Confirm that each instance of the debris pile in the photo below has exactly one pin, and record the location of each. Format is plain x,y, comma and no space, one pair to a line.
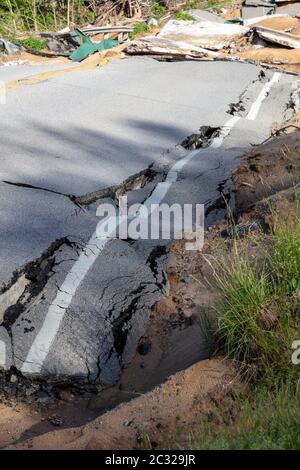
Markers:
268,32
76,45
192,38
263,31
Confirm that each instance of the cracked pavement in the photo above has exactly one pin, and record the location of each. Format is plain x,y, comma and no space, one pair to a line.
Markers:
70,140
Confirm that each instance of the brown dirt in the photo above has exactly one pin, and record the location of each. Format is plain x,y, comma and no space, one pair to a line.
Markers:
152,420
233,11
21,420
272,167
31,58
282,58
98,58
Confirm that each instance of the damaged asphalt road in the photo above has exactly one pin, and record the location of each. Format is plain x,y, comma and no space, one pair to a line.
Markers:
73,308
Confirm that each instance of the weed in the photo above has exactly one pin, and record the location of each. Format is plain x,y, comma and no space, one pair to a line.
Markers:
157,9
32,43
258,319
138,29
259,313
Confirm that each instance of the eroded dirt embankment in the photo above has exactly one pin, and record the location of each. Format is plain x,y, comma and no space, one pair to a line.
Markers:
150,419
266,180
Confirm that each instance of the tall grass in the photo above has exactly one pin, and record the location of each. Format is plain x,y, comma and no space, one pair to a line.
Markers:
270,421
258,320
259,315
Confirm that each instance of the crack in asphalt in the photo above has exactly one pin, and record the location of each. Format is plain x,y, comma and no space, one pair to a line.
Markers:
38,273
135,181
240,107
39,188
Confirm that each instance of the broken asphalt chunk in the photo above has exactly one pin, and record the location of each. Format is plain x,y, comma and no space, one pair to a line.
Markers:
8,47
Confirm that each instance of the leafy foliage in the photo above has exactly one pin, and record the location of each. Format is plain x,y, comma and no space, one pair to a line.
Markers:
19,16
139,28
157,9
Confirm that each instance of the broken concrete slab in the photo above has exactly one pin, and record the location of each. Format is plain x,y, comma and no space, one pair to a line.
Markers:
24,237
257,19
8,47
168,47
92,343
205,34
278,37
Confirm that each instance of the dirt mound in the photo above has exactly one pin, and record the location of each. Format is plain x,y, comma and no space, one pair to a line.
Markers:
272,167
282,58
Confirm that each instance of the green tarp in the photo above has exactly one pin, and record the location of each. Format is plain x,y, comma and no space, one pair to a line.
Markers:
86,47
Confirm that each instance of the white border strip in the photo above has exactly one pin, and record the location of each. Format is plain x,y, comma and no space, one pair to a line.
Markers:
254,110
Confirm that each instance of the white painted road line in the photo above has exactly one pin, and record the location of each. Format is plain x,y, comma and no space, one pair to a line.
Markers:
217,142
44,339
2,354
262,96
42,342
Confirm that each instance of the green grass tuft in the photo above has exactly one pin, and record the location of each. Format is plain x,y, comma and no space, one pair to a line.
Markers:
258,320
138,29
259,313
32,43
157,9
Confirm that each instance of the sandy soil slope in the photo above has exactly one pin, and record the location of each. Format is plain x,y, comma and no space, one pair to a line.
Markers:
151,419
